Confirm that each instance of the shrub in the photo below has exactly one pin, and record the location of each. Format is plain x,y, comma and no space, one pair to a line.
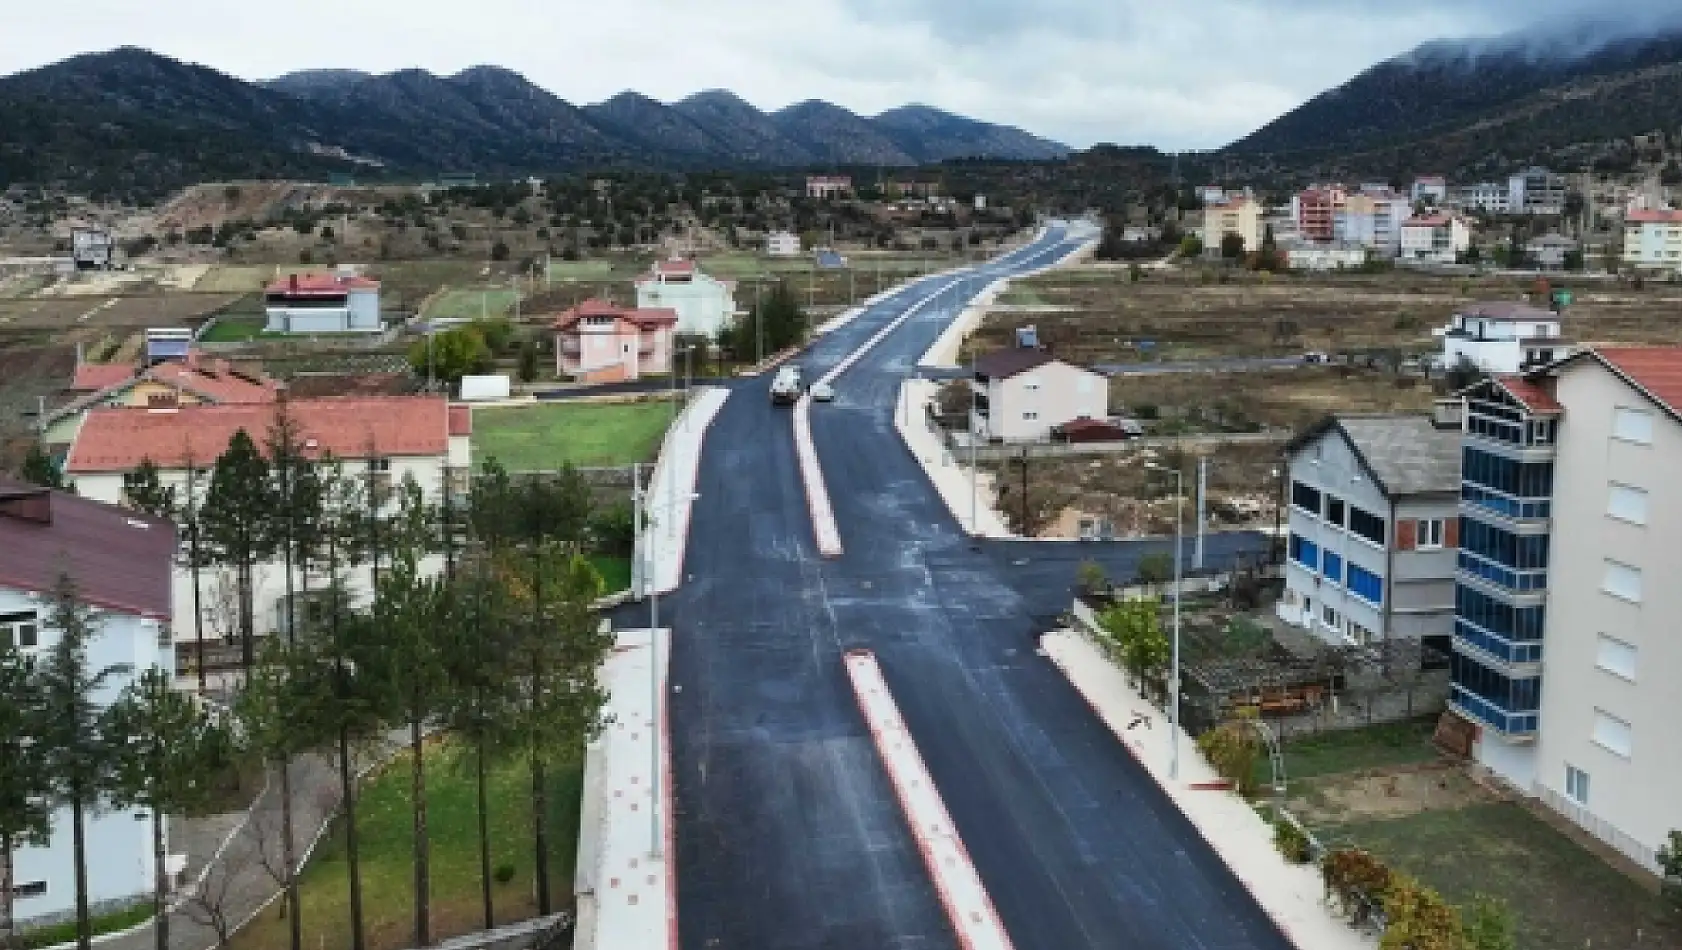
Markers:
1356,880
1290,841
1233,748
1488,924
1417,918
1091,577
503,873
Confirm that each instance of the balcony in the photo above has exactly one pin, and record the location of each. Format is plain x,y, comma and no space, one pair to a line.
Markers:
1513,659
1507,579
1521,515
1511,726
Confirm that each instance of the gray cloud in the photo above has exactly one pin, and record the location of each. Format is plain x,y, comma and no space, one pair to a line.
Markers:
1175,73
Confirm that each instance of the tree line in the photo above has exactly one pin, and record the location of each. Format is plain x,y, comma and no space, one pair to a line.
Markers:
498,645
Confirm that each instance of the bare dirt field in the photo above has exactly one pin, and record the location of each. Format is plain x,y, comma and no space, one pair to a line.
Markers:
1287,398
65,314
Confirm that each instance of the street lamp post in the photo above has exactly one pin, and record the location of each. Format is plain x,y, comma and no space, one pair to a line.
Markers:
1174,662
651,587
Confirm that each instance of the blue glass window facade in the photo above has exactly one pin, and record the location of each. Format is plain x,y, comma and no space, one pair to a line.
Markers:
1367,525
1366,585
1505,487
1305,552
1331,565
1509,704
1517,562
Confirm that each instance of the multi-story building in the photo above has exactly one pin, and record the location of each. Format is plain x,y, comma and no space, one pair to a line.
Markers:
1564,654
1315,211
828,186
1502,337
1430,189
705,305
1536,191
1488,197
782,244
1437,238
92,248
598,342
1653,240
1550,251
1370,551
120,561
1372,219
322,303
1240,216
386,439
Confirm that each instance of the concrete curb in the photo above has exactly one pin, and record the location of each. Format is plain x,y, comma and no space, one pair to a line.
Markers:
691,425
975,921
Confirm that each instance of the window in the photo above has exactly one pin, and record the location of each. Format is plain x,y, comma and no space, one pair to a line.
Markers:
30,889
1366,525
1612,734
1335,510
1329,615
1622,581
1429,532
1331,565
20,629
1627,503
1030,415
1632,425
1031,383
1366,585
1616,657
1304,552
1305,498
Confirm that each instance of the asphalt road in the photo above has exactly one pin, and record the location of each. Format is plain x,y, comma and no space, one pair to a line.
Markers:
788,833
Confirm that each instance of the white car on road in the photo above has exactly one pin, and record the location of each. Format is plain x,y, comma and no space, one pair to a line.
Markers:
822,392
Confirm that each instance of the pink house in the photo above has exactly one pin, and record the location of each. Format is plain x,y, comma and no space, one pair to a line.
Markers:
598,342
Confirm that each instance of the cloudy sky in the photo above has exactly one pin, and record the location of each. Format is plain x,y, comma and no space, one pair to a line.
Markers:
1174,73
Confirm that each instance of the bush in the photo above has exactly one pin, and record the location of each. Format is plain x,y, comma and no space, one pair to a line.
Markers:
504,873
1233,748
1357,880
1091,577
1417,918
1290,841
1488,924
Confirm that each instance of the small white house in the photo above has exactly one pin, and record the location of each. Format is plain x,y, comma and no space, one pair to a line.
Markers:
92,248
121,563
782,244
1436,239
323,303
704,304
1502,337
1021,394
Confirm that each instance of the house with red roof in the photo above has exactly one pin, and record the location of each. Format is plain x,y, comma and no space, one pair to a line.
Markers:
198,379
1565,643
705,305
600,342
121,563
322,303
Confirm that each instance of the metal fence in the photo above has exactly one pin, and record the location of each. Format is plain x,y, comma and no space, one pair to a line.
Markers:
1600,828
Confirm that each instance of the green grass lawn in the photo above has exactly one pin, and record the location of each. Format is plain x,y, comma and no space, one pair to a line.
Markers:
545,436
1351,750
235,330
234,279
65,931
615,572
384,825
471,303
593,269
1562,897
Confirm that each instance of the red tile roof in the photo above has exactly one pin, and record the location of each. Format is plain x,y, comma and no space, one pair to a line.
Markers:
318,285
675,265
643,317
461,420
92,377
1653,217
1430,221
117,439
216,380
1529,394
1656,369
121,560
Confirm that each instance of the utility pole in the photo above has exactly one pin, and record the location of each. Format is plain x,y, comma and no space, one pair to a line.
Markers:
1174,659
974,470
759,320
1202,507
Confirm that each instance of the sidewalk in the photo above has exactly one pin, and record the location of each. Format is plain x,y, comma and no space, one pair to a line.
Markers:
1293,895
669,500
950,478
627,898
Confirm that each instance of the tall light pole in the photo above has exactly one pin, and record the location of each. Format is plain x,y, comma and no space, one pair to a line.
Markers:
651,587
1174,661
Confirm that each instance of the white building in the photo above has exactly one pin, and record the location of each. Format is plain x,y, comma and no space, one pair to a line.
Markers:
323,303
828,186
704,305
1431,189
1488,197
1370,553
1021,394
1549,251
1372,218
422,437
1565,654
1502,337
121,564
1437,238
1653,240
92,248
1325,257
782,244
1536,191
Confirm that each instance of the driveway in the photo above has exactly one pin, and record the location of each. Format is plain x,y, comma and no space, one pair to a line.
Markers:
788,834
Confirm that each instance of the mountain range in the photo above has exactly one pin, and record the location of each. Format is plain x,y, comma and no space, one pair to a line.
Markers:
130,119
1556,92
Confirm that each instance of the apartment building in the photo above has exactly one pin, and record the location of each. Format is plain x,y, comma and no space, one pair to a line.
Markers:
598,342
1564,654
1653,240
1372,219
1489,197
1370,549
322,303
1536,190
1240,216
1315,210
1437,238
1431,189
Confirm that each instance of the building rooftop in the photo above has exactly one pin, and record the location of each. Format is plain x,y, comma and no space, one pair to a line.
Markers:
1529,394
461,420
1428,221
92,377
1505,310
117,439
1657,370
1653,217
318,285
644,317
1003,364
121,560
1404,454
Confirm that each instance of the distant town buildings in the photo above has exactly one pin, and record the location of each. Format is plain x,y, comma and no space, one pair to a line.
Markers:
1325,257
828,186
1549,252
1502,337
1315,210
1240,216
1653,240
782,244
597,342
92,249
323,303
1429,189
1536,191
1488,197
704,304
1437,238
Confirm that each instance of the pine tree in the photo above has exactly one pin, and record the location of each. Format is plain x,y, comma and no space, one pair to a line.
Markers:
165,752
25,817
234,525
145,492
73,744
38,468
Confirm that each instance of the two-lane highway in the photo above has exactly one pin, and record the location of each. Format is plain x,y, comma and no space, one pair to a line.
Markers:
788,833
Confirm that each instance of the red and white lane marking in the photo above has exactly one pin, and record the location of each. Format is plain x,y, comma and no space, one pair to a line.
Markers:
961,892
